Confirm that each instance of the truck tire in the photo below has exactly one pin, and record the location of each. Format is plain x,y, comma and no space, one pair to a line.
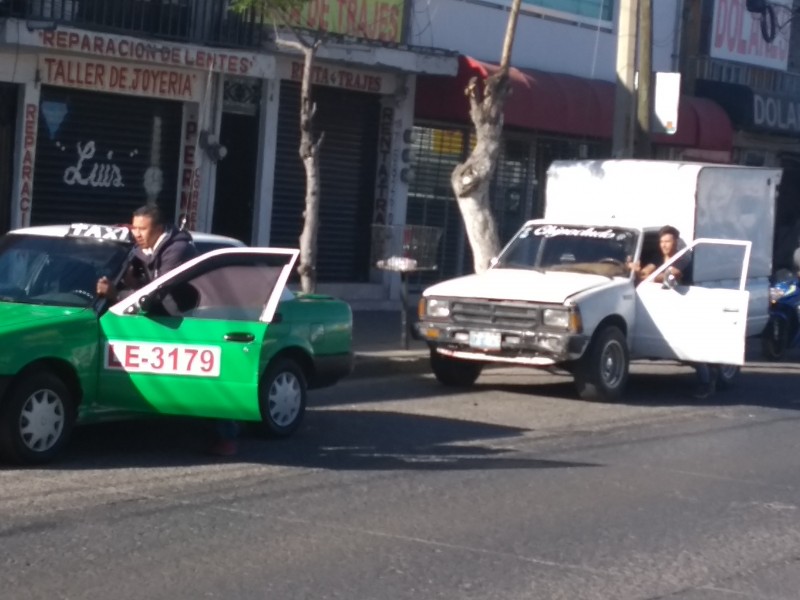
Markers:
36,419
602,372
453,372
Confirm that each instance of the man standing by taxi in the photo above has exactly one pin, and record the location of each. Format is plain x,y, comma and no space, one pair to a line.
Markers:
159,249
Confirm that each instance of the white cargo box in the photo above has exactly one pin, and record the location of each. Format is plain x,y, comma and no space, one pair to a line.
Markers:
700,199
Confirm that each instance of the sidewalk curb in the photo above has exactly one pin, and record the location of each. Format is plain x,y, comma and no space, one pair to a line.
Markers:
388,363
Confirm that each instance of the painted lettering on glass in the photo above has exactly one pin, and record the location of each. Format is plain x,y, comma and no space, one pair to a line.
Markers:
87,172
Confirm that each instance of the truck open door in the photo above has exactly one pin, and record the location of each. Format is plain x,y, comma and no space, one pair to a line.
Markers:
703,319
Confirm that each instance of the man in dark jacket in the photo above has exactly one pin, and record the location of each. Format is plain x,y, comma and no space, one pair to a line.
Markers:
159,249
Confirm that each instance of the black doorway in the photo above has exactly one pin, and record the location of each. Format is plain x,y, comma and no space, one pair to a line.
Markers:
236,177
8,120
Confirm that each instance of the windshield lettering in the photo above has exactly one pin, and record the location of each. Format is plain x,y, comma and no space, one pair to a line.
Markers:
558,230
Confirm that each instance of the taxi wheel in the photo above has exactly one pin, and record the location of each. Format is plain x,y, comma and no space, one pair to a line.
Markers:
36,419
283,392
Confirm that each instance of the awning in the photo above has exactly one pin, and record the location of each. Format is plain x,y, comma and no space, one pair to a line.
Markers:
566,104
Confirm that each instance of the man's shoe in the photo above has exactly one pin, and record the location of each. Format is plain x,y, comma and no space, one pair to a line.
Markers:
704,390
224,448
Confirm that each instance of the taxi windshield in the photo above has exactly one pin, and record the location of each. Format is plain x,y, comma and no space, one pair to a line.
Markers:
60,271
579,249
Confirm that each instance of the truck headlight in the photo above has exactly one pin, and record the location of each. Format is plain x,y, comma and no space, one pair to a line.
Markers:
556,317
436,308
568,319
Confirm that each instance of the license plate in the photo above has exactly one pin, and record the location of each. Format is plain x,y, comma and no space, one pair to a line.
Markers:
171,359
485,340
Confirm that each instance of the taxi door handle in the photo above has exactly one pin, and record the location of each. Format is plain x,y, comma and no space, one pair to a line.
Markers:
239,337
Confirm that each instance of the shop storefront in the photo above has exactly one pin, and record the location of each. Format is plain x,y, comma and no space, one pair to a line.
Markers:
348,115
548,116
93,165
112,122
767,128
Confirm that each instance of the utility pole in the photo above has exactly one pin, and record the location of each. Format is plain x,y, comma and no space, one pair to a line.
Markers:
644,95
622,141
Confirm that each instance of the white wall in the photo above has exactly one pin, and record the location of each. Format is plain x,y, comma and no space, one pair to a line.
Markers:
477,30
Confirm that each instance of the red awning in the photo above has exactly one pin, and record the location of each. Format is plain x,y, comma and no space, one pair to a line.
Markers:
566,104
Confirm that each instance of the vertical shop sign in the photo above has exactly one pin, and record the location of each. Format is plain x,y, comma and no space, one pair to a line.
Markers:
384,213
189,168
28,156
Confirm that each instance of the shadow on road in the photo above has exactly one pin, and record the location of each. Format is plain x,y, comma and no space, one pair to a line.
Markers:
336,439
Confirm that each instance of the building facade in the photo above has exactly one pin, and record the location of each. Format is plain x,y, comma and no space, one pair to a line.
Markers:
105,106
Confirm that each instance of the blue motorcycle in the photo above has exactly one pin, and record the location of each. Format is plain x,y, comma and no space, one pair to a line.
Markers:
783,328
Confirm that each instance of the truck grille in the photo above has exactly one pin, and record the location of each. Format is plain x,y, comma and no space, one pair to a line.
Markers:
484,313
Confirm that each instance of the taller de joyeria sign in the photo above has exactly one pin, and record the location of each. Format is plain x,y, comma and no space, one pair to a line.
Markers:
736,35
121,78
103,46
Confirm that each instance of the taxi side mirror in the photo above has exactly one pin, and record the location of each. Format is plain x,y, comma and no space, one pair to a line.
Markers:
147,301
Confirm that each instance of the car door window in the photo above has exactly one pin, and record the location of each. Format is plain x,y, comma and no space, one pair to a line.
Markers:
233,292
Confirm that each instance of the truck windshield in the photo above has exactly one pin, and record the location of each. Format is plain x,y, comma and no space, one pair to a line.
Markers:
59,271
579,249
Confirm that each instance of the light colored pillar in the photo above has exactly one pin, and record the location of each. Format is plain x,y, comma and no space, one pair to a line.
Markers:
399,174
25,155
267,152
623,133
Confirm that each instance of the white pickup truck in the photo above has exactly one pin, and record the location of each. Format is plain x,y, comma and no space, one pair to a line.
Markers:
560,294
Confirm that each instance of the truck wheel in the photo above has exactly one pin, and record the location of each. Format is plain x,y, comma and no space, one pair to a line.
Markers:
36,419
602,372
282,398
454,372
775,339
726,376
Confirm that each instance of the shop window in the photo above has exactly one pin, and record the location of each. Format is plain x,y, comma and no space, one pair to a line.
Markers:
431,201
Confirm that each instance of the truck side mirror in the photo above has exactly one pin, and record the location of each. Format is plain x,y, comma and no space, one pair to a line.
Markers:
670,281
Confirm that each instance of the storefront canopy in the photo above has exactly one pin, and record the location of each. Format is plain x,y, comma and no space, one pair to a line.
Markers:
566,104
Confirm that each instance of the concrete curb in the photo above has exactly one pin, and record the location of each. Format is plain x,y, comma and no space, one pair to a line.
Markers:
389,363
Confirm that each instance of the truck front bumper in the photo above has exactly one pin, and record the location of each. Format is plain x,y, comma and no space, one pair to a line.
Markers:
539,348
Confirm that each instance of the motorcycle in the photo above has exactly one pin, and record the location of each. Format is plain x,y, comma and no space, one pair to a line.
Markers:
783,327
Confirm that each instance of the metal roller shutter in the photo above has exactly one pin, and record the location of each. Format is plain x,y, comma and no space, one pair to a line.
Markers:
130,147
349,121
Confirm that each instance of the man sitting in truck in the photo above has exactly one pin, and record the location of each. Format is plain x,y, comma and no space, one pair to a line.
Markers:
668,237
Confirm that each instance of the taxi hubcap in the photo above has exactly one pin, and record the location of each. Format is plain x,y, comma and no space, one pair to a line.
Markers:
285,397
41,421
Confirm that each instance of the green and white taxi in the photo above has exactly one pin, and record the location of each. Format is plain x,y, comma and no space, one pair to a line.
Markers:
220,337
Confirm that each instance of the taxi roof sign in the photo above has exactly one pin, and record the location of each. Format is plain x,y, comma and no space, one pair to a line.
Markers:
115,233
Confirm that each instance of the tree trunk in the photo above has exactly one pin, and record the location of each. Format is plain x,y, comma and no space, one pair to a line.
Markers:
309,154
472,178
